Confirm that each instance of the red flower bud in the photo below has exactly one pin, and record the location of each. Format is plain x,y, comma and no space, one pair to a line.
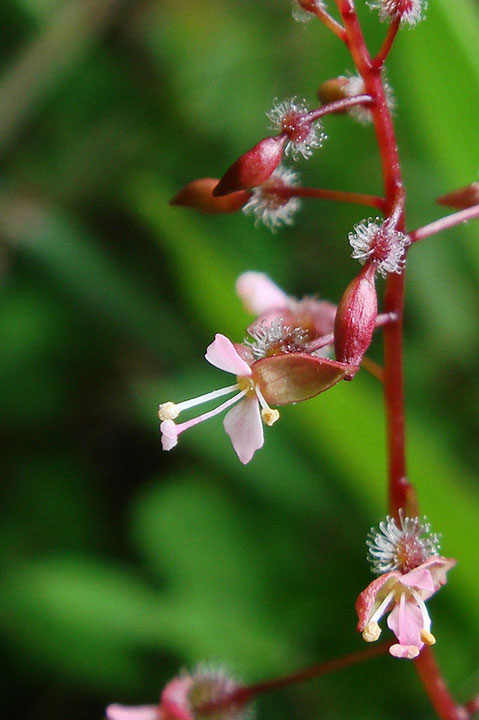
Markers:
198,195
462,198
293,377
253,167
356,318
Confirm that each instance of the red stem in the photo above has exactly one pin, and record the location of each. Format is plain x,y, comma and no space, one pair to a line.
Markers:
339,106
380,58
246,694
401,493
331,23
337,195
445,223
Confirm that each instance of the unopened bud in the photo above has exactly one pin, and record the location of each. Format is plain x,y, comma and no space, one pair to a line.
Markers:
253,167
333,90
356,317
461,198
198,195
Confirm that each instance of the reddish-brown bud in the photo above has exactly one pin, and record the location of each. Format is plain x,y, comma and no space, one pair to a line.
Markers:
198,195
356,318
333,90
253,167
461,198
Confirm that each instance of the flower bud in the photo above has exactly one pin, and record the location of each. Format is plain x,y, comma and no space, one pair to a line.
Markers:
253,167
198,195
461,198
356,318
293,377
333,90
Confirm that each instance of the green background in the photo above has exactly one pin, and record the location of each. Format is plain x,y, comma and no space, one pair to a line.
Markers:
121,563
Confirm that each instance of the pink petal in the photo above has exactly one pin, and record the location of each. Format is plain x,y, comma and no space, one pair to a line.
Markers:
133,712
406,622
419,578
373,595
243,425
174,698
223,355
260,294
409,652
169,434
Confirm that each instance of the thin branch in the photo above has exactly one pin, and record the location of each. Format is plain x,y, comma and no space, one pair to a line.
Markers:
380,58
336,195
339,106
445,223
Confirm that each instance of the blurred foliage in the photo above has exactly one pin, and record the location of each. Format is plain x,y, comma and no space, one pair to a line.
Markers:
121,563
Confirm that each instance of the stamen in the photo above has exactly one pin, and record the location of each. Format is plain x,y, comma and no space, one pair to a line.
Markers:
206,416
170,410
379,612
426,620
371,632
269,415
427,638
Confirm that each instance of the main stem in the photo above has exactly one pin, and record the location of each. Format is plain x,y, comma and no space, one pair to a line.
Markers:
401,492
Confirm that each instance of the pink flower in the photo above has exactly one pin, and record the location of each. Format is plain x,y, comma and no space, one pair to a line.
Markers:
270,369
414,572
182,697
262,297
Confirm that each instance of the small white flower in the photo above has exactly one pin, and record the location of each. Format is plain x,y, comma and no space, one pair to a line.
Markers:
376,241
401,546
270,207
300,12
408,11
290,117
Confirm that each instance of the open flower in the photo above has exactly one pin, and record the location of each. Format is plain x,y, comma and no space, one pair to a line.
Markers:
280,374
417,572
183,697
313,317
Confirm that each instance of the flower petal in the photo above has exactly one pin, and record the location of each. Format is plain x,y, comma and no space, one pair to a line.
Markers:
259,293
409,652
419,578
293,377
174,699
222,354
406,622
243,425
133,712
372,596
